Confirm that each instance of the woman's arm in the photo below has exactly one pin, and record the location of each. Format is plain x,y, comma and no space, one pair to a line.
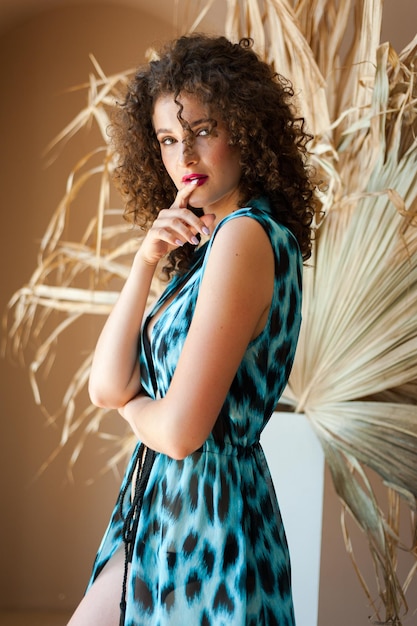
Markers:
231,310
115,376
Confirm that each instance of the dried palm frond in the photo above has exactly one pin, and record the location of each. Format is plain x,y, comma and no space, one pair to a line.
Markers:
355,372
359,336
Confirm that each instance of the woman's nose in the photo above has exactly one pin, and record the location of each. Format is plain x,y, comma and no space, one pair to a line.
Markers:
188,154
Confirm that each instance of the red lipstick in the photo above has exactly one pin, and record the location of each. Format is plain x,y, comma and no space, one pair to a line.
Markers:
195,179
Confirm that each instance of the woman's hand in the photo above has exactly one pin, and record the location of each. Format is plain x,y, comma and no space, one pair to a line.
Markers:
130,411
173,227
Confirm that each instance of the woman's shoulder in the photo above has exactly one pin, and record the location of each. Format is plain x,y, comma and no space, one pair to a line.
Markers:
261,211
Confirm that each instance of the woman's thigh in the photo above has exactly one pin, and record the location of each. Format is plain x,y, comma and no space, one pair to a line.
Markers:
101,603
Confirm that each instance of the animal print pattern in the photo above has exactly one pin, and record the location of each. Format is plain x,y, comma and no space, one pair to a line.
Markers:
210,548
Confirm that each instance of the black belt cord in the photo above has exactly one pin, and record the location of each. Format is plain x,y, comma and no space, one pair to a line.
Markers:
143,462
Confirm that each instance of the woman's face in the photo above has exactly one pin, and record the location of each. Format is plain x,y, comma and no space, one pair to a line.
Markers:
203,158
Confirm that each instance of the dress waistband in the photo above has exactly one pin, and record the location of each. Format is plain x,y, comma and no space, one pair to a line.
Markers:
231,449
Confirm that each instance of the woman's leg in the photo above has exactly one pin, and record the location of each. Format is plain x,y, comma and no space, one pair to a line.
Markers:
100,605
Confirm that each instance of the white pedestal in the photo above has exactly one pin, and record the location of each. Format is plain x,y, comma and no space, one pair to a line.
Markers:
296,462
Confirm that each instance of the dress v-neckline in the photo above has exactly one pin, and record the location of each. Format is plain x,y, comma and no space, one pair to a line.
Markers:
172,291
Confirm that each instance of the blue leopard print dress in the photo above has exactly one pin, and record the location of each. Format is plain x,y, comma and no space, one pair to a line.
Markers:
210,547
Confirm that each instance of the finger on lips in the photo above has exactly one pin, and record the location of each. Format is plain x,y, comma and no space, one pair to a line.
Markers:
184,193
193,224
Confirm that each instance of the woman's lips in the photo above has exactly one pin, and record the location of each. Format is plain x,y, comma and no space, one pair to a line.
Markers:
195,179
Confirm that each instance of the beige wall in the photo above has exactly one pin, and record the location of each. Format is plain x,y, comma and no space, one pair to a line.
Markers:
50,527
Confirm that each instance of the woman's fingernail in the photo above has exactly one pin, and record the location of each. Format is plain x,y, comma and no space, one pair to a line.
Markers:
194,240
178,242
205,230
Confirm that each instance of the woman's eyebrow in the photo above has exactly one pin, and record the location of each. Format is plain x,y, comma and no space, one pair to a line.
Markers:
163,131
202,120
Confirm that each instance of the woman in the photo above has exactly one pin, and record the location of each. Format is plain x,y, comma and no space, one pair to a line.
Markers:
212,165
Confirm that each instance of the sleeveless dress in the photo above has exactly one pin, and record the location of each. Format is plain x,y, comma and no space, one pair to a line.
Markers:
210,547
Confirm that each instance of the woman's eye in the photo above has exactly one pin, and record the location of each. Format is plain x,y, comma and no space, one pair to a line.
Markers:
167,141
203,132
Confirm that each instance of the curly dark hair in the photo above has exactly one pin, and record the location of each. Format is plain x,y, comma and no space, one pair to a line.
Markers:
255,104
